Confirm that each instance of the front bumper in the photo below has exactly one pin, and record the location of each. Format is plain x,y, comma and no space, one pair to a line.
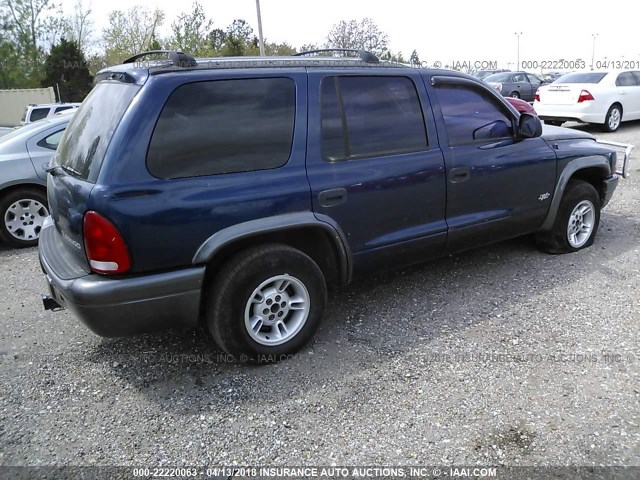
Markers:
113,307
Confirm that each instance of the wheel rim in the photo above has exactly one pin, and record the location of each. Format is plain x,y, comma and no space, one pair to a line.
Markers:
581,223
614,119
515,95
23,219
277,310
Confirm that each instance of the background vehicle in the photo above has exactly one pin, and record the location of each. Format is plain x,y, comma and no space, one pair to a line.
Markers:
605,98
37,112
482,74
515,84
232,192
551,77
15,100
521,106
24,153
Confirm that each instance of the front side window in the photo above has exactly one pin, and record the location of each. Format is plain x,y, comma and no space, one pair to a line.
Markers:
224,126
39,114
364,117
472,115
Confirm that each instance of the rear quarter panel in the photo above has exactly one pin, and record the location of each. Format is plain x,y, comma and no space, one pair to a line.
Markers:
164,222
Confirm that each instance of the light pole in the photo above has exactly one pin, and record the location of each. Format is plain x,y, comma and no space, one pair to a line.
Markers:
517,34
260,39
593,50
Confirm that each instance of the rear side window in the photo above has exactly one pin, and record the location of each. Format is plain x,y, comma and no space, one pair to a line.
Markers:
626,79
370,116
51,142
472,115
38,114
61,109
224,126
89,132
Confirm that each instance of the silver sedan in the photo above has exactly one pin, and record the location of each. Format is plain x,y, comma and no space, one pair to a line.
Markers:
24,154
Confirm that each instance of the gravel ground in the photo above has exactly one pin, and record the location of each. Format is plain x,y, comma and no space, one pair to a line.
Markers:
502,356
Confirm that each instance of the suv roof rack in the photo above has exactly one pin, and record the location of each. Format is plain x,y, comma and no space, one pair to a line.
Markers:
178,59
364,55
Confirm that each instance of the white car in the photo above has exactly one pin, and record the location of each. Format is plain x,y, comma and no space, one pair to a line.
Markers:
35,112
605,98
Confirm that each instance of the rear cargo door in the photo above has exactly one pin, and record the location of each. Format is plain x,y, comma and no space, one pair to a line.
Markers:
79,157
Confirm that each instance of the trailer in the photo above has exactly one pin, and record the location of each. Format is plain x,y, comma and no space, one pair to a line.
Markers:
14,102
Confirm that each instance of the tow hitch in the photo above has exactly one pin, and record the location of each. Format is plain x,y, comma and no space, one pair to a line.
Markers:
50,303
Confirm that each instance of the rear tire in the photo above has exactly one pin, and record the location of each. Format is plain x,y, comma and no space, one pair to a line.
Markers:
22,213
613,119
576,222
553,123
266,303
515,95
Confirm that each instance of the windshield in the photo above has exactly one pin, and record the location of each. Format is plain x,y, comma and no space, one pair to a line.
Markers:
499,77
581,77
87,137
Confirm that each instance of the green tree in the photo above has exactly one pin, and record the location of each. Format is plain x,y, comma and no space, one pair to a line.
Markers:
239,40
190,32
66,70
130,32
414,59
278,49
26,24
363,35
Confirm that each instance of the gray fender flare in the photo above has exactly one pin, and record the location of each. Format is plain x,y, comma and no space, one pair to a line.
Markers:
278,223
569,170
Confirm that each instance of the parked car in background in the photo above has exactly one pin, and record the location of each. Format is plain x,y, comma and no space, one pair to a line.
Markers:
551,77
605,98
24,153
521,106
482,74
37,112
515,84
311,177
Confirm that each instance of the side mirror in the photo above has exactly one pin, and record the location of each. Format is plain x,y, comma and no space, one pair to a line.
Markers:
529,126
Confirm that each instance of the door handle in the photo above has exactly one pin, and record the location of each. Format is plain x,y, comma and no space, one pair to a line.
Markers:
333,197
459,174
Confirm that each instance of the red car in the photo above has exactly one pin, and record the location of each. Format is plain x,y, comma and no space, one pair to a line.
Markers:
521,105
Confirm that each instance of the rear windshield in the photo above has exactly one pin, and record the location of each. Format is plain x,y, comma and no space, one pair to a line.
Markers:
87,137
581,78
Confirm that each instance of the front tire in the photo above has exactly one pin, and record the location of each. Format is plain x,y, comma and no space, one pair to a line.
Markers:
613,119
577,220
266,303
22,213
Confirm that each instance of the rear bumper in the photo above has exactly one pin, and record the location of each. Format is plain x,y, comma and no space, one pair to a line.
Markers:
580,112
113,307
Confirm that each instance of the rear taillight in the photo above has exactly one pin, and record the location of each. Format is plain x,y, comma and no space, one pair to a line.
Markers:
585,96
537,97
104,246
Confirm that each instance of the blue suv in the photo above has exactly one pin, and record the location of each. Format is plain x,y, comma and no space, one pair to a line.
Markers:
232,192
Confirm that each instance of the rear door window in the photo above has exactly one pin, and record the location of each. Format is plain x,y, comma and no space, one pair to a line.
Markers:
51,141
472,115
89,132
374,116
626,79
224,126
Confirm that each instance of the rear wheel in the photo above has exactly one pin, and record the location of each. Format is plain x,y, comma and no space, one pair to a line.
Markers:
577,220
553,123
515,95
266,303
22,213
613,119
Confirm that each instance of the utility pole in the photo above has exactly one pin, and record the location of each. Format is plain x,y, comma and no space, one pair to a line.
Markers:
260,39
593,50
517,34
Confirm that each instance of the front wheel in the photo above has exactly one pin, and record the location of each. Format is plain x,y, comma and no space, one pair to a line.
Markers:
576,222
22,213
266,303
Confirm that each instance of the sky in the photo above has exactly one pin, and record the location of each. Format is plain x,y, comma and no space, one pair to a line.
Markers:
442,31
